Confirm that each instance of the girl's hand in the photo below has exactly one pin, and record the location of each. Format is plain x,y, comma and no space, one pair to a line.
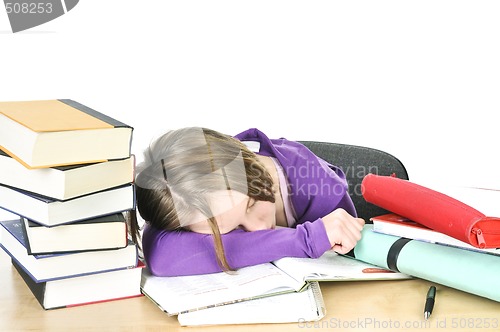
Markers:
343,230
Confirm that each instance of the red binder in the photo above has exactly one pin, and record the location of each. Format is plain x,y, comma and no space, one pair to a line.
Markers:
432,209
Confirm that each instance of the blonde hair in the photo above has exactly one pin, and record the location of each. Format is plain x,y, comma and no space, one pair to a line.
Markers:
172,182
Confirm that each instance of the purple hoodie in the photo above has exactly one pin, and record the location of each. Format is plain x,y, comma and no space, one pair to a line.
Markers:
316,189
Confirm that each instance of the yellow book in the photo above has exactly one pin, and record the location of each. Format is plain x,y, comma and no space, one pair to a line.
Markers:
48,133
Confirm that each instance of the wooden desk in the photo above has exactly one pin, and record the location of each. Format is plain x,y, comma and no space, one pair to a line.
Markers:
351,306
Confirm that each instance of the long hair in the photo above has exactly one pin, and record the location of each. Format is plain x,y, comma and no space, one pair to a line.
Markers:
182,167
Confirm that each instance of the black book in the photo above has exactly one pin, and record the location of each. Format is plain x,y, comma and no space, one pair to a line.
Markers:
107,232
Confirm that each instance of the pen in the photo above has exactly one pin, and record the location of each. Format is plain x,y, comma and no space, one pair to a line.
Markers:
429,302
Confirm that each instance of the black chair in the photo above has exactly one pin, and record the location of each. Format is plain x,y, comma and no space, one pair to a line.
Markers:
356,162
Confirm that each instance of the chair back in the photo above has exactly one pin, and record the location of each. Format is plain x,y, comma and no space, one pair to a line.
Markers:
356,162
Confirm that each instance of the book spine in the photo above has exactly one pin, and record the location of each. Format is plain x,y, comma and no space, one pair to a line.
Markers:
94,113
318,298
24,228
38,289
115,123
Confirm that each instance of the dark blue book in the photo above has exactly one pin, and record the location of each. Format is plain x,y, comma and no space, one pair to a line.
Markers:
65,265
86,289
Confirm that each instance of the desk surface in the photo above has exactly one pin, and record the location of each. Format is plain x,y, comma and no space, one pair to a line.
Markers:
351,306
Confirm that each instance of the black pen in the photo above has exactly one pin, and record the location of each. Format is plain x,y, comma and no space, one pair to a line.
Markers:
429,302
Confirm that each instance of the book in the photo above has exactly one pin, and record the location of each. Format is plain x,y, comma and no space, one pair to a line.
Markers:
397,225
65,182
466,270
83,290
296,307
181,294
51,212
58,266
106,232
47,133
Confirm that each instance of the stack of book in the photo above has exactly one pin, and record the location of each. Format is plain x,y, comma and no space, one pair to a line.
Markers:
434,235
67,175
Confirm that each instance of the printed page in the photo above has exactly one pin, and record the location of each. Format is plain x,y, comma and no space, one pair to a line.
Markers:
178,294
332,266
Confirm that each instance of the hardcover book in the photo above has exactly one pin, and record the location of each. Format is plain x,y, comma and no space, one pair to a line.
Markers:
51,212
47,133
59,266
87,289
107,232
66,182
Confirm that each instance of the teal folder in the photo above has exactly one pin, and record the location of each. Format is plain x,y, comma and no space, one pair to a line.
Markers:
469,271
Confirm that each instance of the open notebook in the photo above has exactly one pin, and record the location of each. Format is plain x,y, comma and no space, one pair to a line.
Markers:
185,294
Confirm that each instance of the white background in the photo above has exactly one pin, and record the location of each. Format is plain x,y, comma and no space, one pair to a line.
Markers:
418,79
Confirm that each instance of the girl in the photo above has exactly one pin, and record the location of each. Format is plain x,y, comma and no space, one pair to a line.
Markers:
211,204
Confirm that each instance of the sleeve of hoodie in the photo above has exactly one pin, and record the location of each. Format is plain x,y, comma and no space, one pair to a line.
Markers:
175,253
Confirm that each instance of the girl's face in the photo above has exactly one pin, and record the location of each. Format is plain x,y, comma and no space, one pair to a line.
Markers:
233,210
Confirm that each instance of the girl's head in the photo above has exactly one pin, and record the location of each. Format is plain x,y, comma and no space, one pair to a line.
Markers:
200,180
